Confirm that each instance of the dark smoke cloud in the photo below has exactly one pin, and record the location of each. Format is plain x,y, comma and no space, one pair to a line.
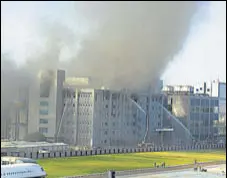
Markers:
131,43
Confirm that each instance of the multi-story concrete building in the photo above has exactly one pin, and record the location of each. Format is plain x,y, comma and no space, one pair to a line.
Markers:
14,104
107,118
70,110
100,118
46,103
18,127
216,89
197,113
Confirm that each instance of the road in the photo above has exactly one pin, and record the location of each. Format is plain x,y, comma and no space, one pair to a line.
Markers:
215,171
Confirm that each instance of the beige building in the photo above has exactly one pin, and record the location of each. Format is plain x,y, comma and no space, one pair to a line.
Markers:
45,103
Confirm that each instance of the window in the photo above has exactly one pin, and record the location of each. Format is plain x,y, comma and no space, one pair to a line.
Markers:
43,130
201,88
43,121
197,109
208,89
215,109
107,95
206,109
43,112
197,89
44,103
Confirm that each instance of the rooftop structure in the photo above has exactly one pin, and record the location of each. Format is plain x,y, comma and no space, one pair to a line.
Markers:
16,146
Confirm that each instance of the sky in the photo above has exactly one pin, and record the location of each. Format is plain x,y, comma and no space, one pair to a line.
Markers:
203,57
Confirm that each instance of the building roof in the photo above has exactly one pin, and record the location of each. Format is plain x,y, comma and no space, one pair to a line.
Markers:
20,144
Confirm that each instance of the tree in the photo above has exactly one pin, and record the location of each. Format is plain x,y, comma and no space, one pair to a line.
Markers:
35,137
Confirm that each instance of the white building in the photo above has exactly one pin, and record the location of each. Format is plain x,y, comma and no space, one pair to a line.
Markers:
70,110
101,118
45,103
213,88
106,118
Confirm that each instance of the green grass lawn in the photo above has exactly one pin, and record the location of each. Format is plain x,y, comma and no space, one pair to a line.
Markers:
59,167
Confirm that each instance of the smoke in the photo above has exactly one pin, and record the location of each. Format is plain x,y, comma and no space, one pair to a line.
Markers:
127,45
131,43
14,86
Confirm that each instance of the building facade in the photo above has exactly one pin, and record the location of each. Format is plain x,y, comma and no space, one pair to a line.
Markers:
217,89
198,113
14,104
95,118
46,103
101,118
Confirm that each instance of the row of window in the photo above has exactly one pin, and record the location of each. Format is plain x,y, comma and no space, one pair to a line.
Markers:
204,109
84,104
84,113
84,132
132,124
106,132
204,102
85,95
208,90
85,122
113,132
15,173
